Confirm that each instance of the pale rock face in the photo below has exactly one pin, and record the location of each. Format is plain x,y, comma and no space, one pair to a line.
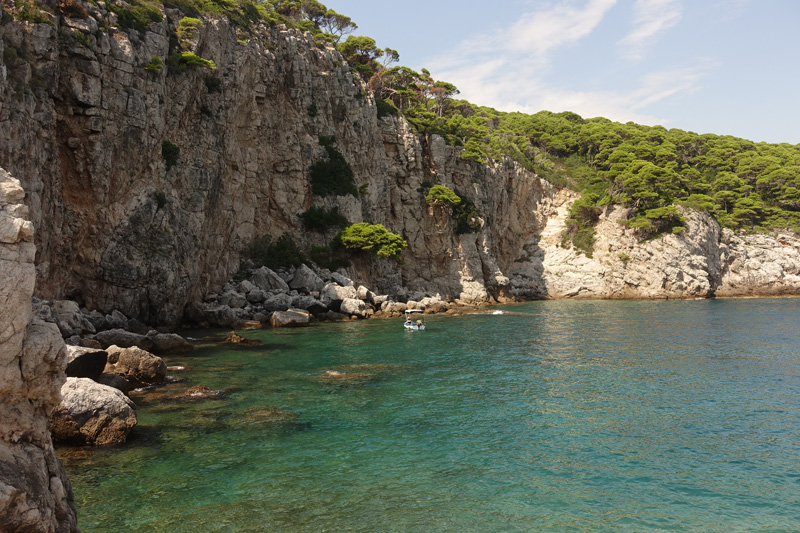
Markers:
290,318
92,414
35,493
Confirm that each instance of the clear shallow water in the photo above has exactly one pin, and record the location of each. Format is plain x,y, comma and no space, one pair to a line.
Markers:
559,416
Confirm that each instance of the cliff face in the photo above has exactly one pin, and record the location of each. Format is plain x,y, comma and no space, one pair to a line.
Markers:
35,493
83,123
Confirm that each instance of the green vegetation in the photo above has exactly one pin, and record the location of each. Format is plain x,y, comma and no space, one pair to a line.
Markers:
10,55
282,253
188,27
744,185
29,11
468,220
332,176
373,238
327,257
321,220
184,60
441,195
154,65
583,215
170,153
138,15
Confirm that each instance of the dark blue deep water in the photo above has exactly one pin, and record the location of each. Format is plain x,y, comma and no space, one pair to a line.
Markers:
555,416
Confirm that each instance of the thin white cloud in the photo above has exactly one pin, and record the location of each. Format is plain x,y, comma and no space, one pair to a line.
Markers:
541,32
510,70
536,35
651,19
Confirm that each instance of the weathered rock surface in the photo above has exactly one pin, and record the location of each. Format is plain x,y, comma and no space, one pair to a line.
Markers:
92,414
165,343
290,318
35,493
703,261
124,339
137,366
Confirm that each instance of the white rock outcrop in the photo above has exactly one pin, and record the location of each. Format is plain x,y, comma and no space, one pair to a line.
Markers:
92,414
35,493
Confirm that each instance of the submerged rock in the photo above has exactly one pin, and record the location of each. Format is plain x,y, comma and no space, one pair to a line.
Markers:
92,414
234,338
199,392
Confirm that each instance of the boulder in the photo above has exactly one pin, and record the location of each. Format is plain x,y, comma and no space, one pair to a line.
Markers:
256,296
306,280
85,362
332,316
136,326
69,313
168,343
342,280
278,302
267,280
123,339
333,294
310,304
91,413
116,320
353,307
98,320
246,286
137,366
232,299
363,293
290,318
115,382
220,316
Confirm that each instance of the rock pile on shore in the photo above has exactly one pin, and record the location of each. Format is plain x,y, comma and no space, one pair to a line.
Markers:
300,295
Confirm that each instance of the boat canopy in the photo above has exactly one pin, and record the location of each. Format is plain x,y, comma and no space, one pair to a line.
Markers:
414,311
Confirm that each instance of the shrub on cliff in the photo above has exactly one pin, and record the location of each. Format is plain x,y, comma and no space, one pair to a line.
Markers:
468,219
321,220
332,176
170,153
138,14
441,195
154,65
184,60
373,238
282,253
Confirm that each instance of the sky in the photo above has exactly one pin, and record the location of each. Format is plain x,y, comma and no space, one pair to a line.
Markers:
728,67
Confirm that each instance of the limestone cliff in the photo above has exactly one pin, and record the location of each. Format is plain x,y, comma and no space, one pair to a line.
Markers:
84,124
35,493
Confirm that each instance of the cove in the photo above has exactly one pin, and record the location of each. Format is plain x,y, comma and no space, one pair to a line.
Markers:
555,416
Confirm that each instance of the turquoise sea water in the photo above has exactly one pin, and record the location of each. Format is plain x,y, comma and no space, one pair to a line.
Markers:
556,416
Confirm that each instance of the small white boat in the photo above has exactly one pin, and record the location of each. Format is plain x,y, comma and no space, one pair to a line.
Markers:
415,322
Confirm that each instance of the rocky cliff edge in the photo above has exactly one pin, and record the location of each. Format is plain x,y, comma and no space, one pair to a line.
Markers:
35,493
